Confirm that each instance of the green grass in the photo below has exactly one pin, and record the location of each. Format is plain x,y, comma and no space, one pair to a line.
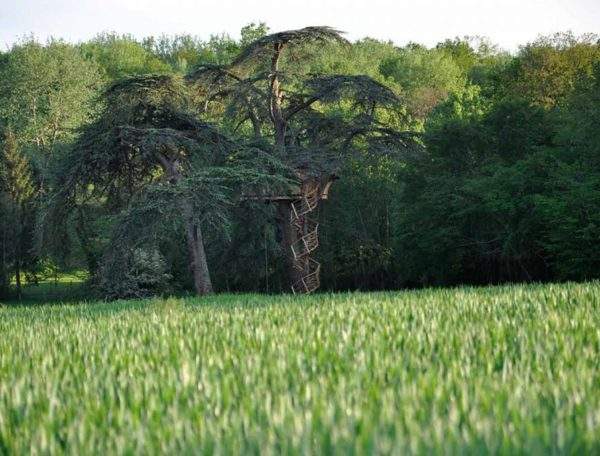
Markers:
512,369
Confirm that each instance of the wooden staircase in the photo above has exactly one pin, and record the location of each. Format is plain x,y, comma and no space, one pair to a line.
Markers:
307,235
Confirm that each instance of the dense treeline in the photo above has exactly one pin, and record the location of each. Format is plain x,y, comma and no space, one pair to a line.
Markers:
505,185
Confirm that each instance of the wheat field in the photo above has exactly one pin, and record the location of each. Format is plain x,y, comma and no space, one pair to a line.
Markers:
510,369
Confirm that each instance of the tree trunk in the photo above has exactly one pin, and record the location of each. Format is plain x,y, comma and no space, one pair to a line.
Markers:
198,263
18,278
193,232
288,237
19,254
276,95
4,280
85,241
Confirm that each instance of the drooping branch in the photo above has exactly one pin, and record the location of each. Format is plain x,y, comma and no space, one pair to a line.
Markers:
221,80
362,90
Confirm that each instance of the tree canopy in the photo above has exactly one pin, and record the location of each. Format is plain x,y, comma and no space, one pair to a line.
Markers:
147,163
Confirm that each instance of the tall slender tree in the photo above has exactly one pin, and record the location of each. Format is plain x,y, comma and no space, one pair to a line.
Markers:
17,201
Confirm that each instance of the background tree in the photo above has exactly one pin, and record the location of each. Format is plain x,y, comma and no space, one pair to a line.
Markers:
546,71
425,76
17,205
570,202
122,55
46,92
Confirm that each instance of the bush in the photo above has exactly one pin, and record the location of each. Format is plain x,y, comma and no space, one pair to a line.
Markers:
138,273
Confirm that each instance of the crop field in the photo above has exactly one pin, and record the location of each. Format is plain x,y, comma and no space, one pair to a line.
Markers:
510,369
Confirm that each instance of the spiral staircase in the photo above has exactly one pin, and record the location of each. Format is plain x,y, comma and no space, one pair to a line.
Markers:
307,235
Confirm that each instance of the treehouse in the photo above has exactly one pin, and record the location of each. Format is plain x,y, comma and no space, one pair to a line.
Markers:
302,237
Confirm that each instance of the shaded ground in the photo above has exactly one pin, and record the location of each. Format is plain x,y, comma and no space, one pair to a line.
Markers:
64,288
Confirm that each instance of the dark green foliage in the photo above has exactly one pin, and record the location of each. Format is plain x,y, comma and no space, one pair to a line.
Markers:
17,206
570,206
504,196
460,163
159,171
46,93
315,123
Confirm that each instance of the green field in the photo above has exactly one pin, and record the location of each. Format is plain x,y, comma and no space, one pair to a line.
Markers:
467,370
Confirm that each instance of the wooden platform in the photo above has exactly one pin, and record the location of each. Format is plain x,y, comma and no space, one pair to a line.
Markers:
272,198
296,196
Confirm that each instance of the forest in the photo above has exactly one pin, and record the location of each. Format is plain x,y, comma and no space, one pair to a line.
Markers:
175,165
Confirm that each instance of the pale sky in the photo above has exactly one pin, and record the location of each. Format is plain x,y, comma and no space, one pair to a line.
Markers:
507,22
